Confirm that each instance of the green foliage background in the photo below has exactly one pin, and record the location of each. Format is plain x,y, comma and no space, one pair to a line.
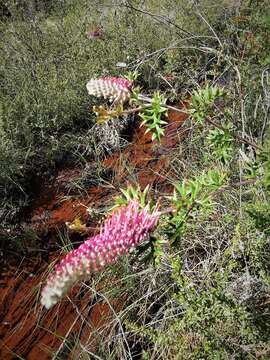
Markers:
197,301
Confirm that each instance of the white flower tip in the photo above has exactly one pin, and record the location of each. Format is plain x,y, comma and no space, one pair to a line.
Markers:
48,298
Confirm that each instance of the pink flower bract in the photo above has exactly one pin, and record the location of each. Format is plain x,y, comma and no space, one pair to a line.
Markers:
125,229
116,89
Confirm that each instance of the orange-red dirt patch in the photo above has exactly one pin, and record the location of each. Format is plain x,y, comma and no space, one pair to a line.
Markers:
29,332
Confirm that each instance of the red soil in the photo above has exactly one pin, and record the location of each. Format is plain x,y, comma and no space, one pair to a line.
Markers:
33,333
27,330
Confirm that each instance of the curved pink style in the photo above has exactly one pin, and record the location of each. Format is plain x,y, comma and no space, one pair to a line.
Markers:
125,229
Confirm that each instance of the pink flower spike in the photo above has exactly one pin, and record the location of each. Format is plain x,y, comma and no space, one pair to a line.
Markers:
116,89
97,33
126,228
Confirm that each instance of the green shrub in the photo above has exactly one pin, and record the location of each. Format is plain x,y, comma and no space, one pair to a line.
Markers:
44,66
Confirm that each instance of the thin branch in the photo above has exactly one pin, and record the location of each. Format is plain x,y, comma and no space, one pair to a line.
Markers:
210,27
209,121
157,17
220,190
237,136
238,184
149,100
